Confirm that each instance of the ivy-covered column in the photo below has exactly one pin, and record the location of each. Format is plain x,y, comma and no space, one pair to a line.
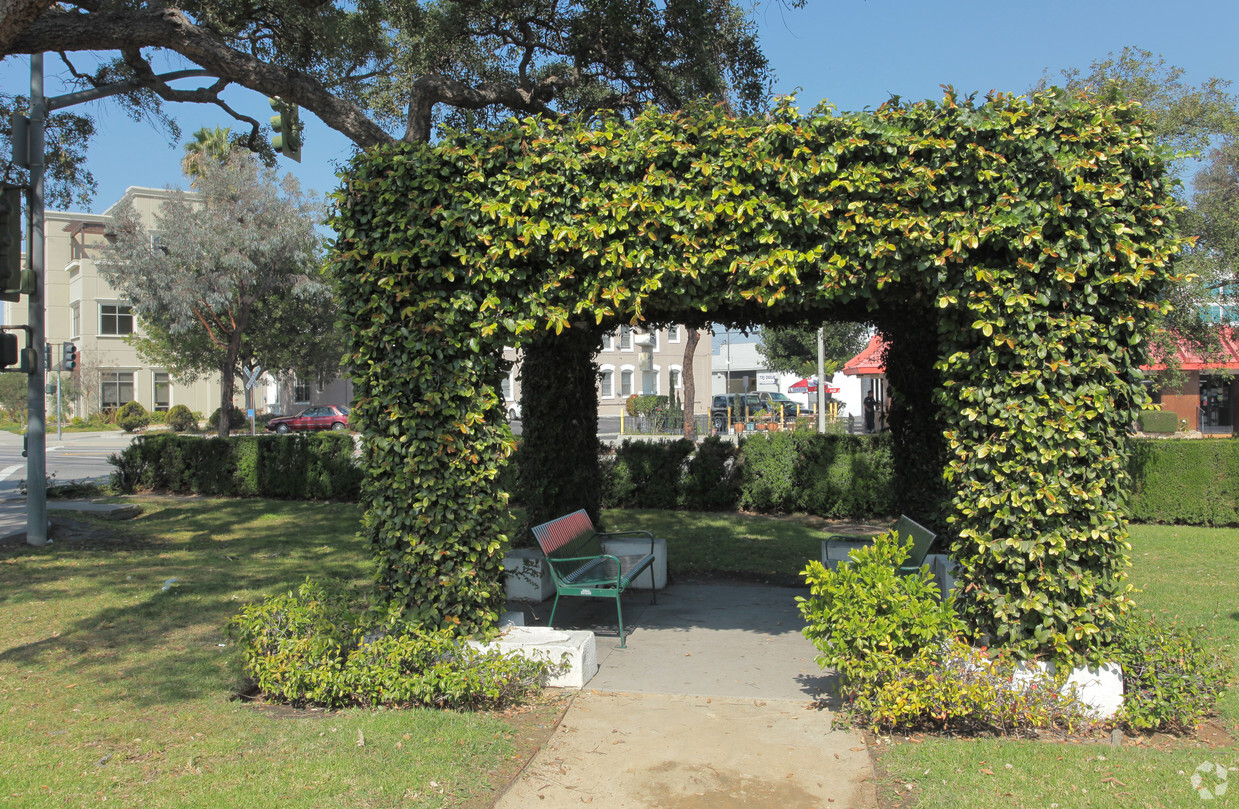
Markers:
915,424
559,407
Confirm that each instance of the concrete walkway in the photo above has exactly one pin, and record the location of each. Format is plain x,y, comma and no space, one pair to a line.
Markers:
712,704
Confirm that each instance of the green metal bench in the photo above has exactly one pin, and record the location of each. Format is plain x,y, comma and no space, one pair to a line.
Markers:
922,540
579,567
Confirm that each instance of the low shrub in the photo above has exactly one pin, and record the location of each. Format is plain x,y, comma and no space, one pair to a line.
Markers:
1158,421
768,475
236,418
181,419
959,688
646,474
315,647
1171,679
711,477
132,416
866,619
298,467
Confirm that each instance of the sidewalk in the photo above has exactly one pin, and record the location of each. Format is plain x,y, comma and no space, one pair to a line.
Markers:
713,704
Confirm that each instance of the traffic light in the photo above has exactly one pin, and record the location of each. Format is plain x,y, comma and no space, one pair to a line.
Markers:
68,360
287,126
10,242
10,351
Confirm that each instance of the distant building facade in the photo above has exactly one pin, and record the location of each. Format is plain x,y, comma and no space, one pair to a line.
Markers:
82,308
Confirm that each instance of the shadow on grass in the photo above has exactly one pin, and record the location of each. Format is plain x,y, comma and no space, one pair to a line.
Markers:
145,610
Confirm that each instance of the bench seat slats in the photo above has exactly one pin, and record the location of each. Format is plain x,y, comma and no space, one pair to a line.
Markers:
579,566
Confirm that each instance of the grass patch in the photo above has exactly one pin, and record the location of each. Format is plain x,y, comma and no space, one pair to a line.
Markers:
116,685
1187,573
772,550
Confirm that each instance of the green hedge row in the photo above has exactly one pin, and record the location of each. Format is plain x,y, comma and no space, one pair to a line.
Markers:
1185,481
841,476
284,467
1177,481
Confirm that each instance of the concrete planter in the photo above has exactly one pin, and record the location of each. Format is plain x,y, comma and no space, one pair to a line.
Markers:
637,547
573,652
528,578
1100,689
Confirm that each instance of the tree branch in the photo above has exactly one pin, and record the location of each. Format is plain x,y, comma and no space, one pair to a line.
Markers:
59,30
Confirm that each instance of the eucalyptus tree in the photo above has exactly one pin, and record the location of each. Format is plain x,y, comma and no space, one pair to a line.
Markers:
228,272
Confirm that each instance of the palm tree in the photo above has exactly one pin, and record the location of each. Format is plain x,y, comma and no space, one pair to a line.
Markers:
208,144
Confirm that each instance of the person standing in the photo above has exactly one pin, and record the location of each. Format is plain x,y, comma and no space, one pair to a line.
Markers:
870,408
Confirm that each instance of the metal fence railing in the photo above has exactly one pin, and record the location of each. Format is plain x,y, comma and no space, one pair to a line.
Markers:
661,424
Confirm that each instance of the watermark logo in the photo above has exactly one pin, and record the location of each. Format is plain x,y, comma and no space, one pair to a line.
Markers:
1209,780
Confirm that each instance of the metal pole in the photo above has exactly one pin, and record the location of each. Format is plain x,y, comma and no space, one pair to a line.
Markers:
36,402
60,413
821,379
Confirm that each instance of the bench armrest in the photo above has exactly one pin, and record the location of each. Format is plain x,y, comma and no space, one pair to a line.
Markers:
603,537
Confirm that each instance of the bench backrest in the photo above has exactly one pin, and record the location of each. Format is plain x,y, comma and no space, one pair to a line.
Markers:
572,535
922,539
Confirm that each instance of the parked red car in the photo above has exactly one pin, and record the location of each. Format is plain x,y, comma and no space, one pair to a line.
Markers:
320,417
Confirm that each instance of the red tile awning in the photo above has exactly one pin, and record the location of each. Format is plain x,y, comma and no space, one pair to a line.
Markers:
1226,358
869,361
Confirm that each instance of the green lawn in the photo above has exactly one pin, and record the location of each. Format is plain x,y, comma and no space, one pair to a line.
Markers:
113,687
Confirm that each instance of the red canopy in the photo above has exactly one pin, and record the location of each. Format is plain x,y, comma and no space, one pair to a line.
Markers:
810,385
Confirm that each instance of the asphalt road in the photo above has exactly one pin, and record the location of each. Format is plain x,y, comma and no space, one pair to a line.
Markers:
74,456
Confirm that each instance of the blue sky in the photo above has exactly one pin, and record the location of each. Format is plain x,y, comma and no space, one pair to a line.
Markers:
852,53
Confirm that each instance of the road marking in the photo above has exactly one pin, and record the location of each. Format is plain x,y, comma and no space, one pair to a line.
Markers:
4,473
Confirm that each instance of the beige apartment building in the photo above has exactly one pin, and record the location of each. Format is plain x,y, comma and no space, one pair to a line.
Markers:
636,361
81,307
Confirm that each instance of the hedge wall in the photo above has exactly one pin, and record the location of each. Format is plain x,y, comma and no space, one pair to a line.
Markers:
1025,239
282,467
1185,481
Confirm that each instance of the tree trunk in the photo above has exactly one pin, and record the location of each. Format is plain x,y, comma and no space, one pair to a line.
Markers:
690,383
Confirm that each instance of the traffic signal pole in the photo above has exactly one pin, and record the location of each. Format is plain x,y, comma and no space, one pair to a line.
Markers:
36,403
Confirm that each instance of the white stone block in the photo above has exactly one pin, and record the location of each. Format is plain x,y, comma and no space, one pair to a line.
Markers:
573,652
637,546
1099,689
943,568
837,551
527,576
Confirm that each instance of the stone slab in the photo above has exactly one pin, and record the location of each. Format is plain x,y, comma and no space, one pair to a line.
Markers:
573,651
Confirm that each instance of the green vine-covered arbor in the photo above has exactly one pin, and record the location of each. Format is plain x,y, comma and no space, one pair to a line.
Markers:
1016,250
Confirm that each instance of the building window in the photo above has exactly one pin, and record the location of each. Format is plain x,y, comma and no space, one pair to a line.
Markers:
673,379
301,392
117,389
75,320
654,339
626,382
163,391
608,342
115,319
505,388
625,338
606,383
673,334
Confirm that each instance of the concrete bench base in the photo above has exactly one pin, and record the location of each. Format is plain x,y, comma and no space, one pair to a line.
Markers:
574,651
527,577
